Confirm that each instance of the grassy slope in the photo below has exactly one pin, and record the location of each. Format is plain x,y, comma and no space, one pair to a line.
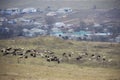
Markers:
39,69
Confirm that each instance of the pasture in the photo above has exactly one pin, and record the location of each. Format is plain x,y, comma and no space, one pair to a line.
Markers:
39,69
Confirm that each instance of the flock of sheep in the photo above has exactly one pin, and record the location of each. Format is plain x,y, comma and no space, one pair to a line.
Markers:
51,56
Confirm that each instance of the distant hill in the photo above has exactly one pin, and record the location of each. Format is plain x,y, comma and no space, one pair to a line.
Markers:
76,4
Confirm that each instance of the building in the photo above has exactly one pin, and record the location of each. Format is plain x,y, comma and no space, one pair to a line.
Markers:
64,10
29,10
12,11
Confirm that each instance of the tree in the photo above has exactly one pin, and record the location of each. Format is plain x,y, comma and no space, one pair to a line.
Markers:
83,25
50,20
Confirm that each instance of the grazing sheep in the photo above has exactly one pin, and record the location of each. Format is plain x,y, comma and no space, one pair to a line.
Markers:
46,56
51,53
6,52
103,59
40,54
54,58
110,60
2,50
78,58
48,59
64,54
9,48
31,52
98,57
86,54
69,55
89,59
92,55
26,57
59,61
17,51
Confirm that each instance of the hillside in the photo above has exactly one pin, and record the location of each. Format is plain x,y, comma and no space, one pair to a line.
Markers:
75,4
39,69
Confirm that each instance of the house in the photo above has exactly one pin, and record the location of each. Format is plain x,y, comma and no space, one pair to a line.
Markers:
80,33
11,21
59,24
3,19
102,34
55,29
117,39
97,25
33,32
51,14
29,10
64,10
24,20
12,11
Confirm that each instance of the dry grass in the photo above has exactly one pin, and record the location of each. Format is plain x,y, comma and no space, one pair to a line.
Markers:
39,69
55,72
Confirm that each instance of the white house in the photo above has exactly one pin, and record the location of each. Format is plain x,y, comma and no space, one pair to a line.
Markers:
51,14
33,32
59,24
29,10
12,11
64,10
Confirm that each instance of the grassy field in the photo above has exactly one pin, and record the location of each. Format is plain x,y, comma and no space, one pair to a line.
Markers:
39,69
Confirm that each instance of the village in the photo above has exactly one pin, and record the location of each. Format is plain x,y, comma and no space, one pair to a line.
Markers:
66,23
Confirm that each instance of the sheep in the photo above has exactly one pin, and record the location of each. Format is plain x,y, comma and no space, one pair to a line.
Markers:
18,51
110,60
104,59
59,60
98,57
69,55
78,58
48,59
92,55
64,54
